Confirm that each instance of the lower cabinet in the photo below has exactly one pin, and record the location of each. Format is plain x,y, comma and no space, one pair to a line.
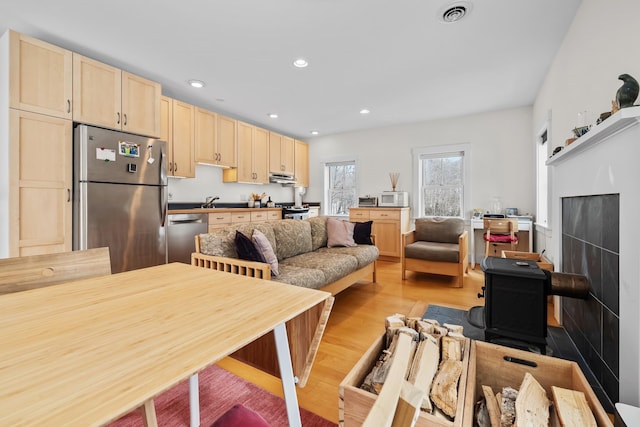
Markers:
388,226
239,216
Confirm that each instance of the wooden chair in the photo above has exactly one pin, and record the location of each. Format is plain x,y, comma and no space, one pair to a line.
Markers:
500,231
38,271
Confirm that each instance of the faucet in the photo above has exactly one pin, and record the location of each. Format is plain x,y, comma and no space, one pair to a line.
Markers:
209,202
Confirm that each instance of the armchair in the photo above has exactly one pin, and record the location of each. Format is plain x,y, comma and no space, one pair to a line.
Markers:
437,246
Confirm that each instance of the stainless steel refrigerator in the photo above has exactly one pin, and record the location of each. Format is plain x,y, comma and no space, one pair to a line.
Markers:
120,196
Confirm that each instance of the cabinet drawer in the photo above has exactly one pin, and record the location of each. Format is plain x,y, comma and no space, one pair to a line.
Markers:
272,215
221,218
240,217
384,214
359,215
259,216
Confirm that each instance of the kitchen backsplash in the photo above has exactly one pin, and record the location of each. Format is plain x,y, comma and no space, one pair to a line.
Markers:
208,182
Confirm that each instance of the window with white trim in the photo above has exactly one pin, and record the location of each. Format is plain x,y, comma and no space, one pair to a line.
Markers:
441,181
340,187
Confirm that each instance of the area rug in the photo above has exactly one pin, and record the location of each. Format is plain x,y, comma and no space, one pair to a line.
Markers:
219,391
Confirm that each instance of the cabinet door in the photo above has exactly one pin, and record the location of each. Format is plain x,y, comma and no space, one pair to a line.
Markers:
287,155
183,139
245,152
387,237
302,163
275,142
96,93
226,141
140,105
261,156
166,129
40,76
41,169
206,125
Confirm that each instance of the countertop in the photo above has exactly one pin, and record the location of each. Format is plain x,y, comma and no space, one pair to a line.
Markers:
194,207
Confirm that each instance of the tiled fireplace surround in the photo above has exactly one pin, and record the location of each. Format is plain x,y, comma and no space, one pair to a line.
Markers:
595,205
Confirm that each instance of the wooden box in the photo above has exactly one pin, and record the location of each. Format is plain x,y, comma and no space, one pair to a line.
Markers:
542,262
498,366
355,403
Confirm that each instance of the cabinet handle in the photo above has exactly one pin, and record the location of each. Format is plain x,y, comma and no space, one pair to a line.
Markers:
175,167
170,166
68,105
68,194
118,121
124,116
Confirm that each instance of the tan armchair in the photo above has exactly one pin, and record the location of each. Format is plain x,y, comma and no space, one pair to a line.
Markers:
437,246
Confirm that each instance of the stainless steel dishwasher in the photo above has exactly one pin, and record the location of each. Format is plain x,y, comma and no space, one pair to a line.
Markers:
181,235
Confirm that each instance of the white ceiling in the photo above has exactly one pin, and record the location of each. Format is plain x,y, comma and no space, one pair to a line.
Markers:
393,57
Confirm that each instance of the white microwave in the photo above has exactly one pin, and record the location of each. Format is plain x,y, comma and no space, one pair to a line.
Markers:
399,199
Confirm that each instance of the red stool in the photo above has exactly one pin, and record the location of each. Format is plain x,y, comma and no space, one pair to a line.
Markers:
240,416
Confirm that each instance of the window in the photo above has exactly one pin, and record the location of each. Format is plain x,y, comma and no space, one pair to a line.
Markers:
441,180
340,187
542,184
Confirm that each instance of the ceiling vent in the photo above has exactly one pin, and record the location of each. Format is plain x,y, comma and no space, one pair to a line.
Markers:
454,12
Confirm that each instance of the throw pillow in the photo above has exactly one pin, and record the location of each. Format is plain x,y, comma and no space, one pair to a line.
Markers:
246,249
362,233
339,233
265,248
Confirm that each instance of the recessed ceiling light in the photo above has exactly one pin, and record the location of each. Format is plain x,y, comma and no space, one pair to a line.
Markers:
364,111
314,132
300,63
273,115
196,83
454,12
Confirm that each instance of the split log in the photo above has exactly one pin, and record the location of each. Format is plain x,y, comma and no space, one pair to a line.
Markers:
458,329
482,414
508,407
444,392
434,322
451,348
492,406
572,408
532,404
425,368
408,409
424,327
380,376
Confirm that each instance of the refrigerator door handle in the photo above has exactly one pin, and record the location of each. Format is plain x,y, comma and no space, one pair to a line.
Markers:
164,204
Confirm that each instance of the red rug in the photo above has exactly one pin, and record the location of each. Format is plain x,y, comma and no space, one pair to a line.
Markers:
219,391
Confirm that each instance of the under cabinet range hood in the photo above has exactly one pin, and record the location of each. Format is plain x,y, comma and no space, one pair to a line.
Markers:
283,179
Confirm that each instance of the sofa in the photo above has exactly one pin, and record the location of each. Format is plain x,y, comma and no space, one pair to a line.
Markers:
303,258
437,246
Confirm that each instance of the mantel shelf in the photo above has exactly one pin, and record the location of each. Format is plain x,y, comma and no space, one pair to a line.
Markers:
618,122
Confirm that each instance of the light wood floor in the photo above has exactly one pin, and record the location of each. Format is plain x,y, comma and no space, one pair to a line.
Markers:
357,319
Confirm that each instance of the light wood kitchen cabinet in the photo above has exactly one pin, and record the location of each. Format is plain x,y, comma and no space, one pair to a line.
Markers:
183,140
301,151
228,217
40,76
107,96
205,145
281,154
388,226
41,171
253,148
226,142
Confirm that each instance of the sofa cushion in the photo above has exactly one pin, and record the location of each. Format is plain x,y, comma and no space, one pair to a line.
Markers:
433,251
364,254
339,233
247,249
221,242
265,248
318,232
362,233
332,264
436,229
300,276
293,237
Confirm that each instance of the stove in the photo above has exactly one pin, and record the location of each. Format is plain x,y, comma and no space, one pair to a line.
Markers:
295,212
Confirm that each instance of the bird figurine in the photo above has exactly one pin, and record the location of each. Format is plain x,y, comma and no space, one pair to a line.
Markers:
628,92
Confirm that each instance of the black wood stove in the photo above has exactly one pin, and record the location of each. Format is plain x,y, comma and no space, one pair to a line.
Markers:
516,300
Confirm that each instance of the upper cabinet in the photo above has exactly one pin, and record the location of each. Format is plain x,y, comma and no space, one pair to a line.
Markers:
206,134
301,163
226,142
281,154
177,128
107,96
253,148
40,76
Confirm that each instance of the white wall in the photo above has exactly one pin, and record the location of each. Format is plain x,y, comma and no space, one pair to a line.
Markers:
601,44
502,157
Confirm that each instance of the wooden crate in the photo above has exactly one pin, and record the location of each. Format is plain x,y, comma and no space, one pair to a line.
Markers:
496,366
355,403
541,260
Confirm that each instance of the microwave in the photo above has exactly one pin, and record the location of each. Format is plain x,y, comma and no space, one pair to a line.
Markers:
398,199
367,201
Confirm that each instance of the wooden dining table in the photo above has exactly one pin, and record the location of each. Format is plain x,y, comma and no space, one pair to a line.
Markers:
85,353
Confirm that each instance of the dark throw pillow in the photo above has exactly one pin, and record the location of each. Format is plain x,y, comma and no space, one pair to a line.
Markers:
246,249
362,233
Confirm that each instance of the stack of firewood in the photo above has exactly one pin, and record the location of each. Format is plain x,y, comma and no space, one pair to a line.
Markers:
529,406
435,361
